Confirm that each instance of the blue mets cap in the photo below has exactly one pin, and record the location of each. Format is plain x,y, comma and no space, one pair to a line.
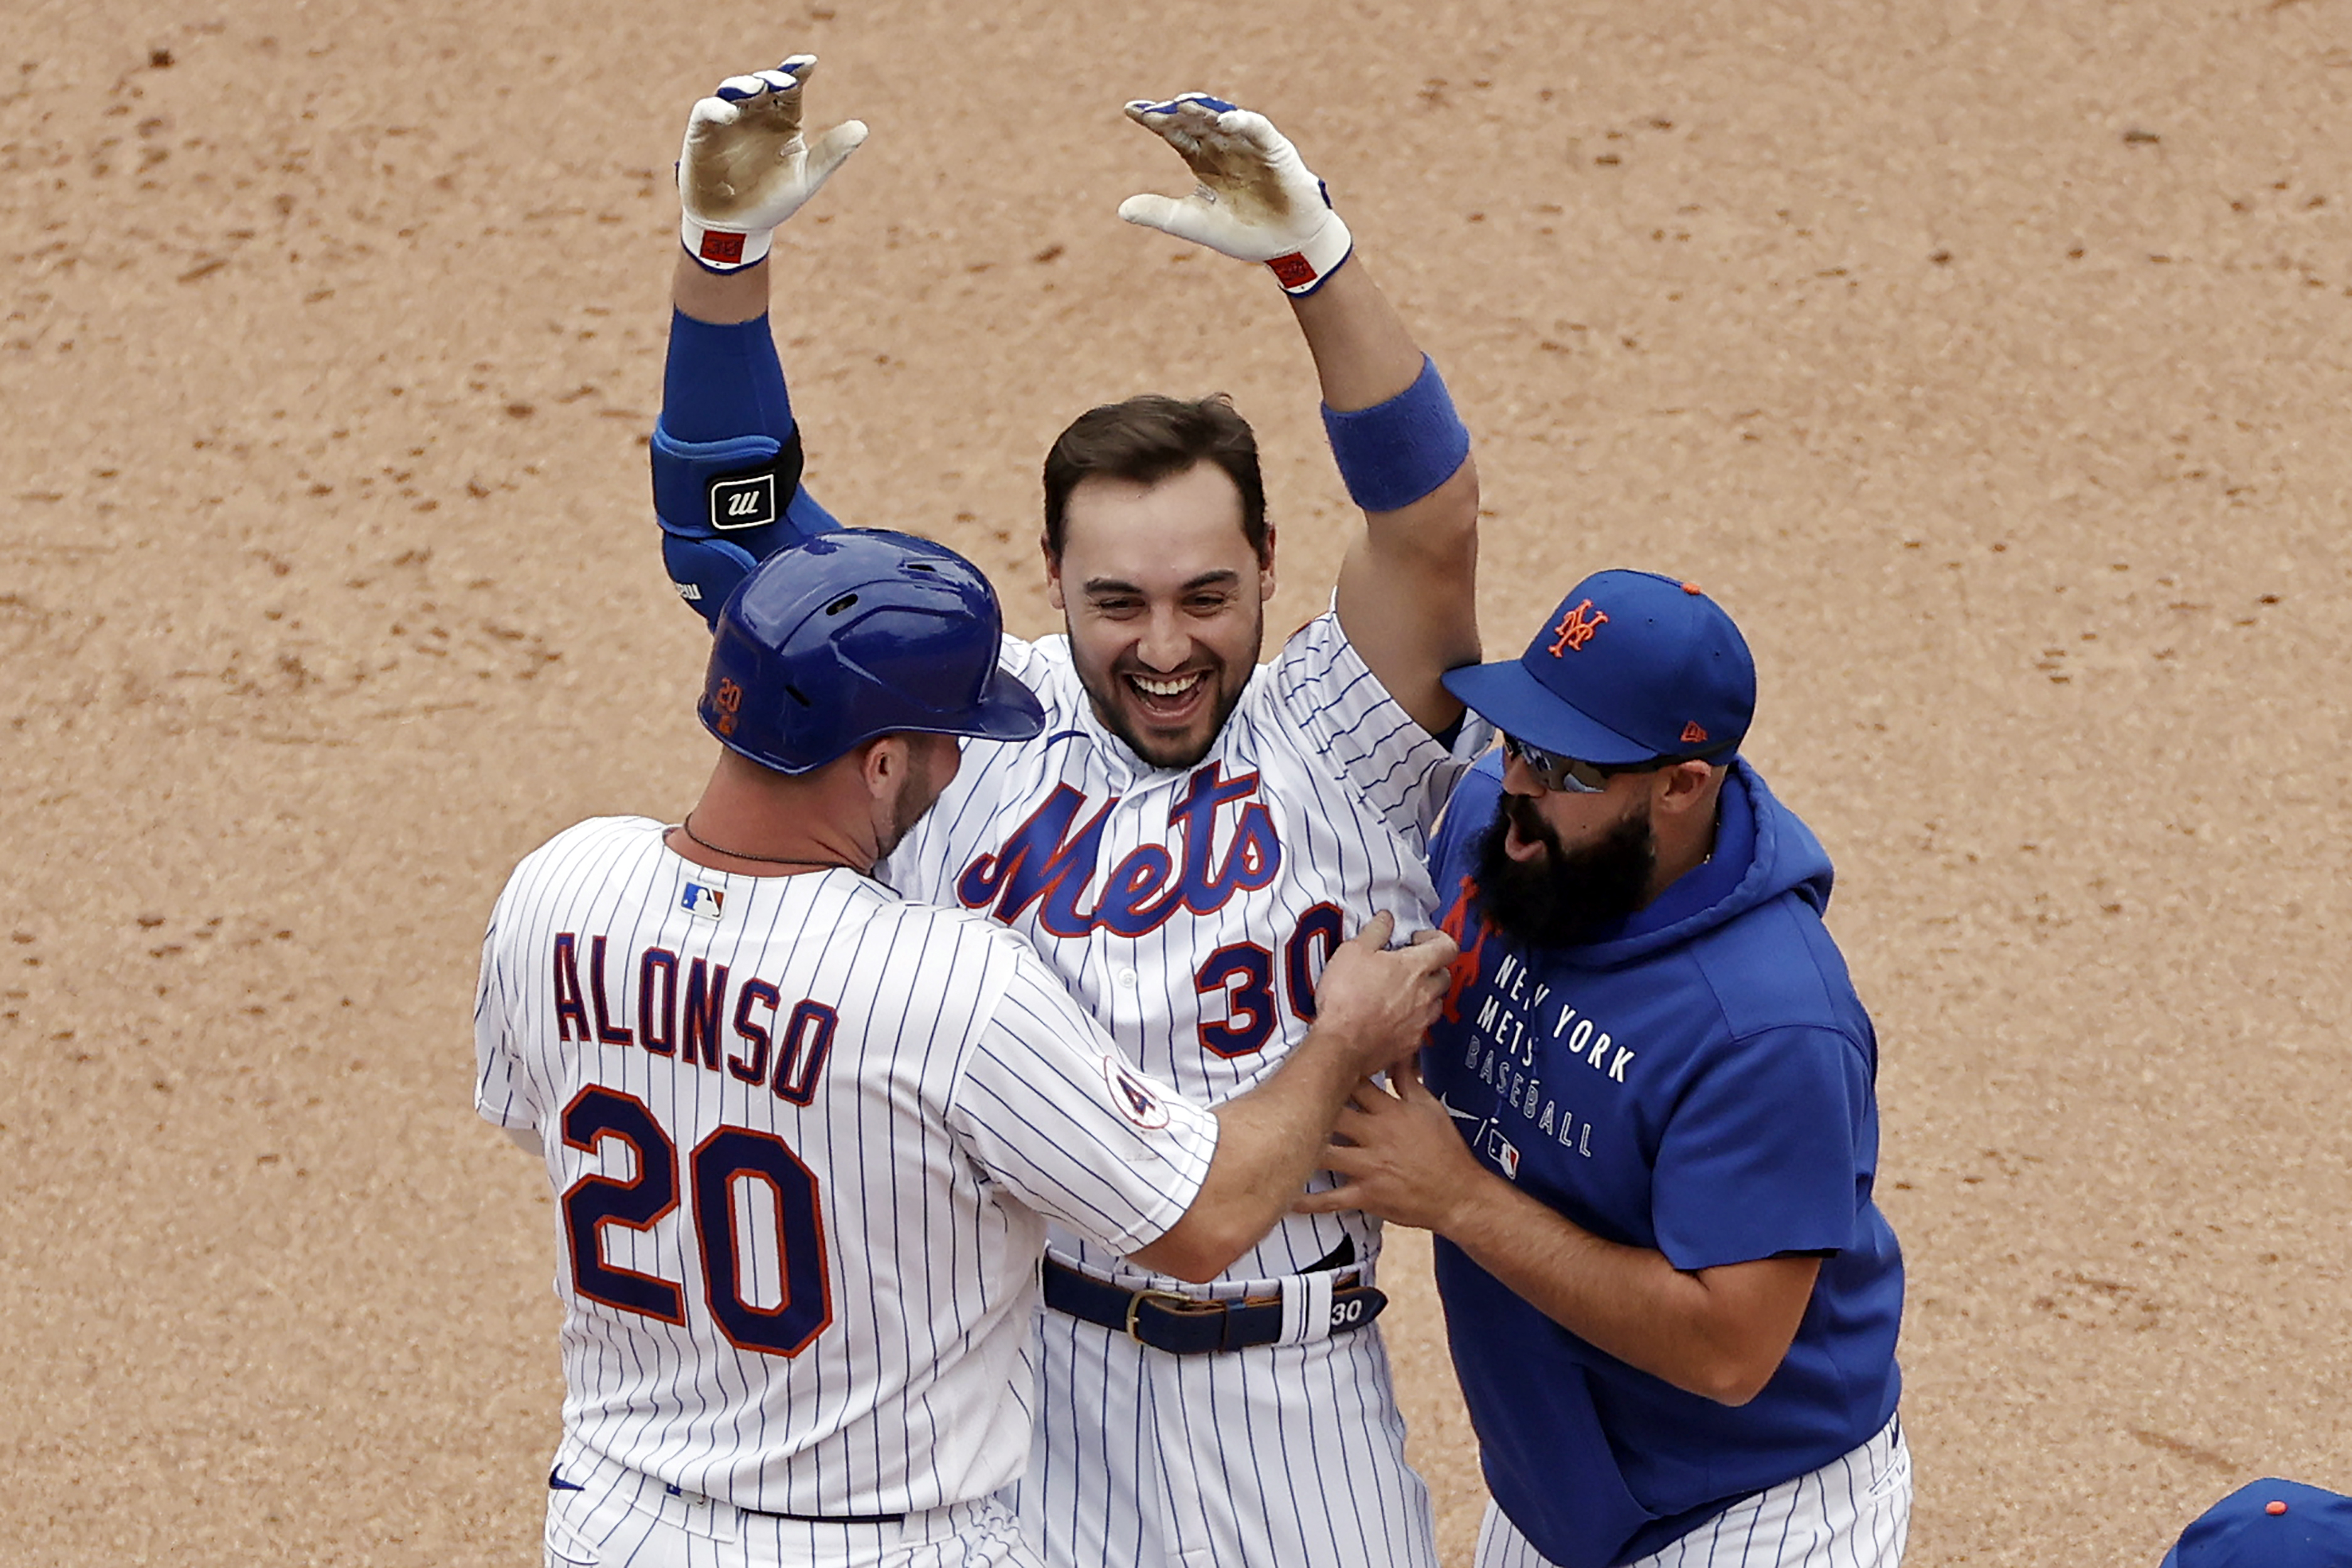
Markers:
2269,1524
1632,667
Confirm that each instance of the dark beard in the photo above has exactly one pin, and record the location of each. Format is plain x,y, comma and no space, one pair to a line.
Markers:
921,792
1569,896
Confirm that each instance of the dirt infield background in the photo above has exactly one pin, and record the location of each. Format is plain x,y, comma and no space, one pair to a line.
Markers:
1988,360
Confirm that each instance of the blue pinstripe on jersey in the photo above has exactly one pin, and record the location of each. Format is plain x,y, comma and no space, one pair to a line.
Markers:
1291,1454
964,1101
1852,1512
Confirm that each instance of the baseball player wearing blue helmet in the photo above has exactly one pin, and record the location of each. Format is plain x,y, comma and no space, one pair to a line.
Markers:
805,1136
865,632
1645,1131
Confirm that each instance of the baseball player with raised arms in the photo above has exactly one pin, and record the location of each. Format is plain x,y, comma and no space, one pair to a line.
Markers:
806,1135
1193,833
1646,1130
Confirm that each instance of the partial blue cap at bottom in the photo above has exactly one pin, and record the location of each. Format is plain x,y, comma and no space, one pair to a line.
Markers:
2271,1524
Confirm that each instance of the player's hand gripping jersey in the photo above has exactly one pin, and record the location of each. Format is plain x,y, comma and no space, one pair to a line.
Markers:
693,1048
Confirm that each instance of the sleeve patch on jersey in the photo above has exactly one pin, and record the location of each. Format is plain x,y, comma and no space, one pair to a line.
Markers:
1138,1101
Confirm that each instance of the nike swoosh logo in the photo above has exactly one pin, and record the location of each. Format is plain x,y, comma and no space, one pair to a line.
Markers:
1460,1115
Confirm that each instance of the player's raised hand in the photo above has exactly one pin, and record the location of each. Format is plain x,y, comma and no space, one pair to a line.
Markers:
1256,200
746,166
1379,1000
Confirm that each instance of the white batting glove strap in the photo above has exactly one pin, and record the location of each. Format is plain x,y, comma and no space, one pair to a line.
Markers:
745,167
1257,201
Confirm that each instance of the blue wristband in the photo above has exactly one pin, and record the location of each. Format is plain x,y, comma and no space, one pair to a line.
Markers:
1394,452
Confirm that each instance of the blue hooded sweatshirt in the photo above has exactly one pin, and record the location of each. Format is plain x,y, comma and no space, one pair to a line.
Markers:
1699,1080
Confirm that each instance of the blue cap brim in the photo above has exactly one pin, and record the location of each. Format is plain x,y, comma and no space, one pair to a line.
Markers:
1516,702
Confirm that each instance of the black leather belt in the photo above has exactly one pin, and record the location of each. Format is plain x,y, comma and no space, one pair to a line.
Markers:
555,1482
818,1518
1184,1325
831,1518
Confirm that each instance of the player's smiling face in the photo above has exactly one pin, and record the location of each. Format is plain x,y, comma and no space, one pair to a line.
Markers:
1165,602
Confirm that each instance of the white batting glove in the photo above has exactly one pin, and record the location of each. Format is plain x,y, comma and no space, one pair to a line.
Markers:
744,168
1257,200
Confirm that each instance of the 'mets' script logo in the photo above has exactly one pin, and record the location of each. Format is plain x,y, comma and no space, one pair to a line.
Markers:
1048,864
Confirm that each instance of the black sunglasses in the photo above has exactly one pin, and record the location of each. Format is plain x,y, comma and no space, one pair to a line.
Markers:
1572,776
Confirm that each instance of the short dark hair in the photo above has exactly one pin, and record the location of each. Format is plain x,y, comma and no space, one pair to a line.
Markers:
1150,438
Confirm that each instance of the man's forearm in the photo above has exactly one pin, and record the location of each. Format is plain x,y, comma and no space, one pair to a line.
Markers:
721,299
1364,354
1268,1142
1719,1333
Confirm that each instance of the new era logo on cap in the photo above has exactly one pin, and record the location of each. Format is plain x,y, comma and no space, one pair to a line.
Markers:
746,501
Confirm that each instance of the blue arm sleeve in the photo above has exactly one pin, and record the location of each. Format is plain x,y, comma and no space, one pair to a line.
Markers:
722,381
726,460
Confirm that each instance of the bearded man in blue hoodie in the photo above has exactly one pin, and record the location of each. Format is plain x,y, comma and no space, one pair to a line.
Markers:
1646,1127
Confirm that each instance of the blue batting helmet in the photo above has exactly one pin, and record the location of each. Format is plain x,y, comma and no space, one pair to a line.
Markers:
854,634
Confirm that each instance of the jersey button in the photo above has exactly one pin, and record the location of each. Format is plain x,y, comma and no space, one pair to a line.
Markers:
1124,979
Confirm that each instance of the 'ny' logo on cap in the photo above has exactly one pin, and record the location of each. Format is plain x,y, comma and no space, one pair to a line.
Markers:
1576,628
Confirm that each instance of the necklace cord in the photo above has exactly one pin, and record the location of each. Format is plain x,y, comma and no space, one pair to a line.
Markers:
687,827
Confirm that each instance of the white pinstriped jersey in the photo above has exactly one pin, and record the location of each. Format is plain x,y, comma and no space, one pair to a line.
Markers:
805,1137
1192,910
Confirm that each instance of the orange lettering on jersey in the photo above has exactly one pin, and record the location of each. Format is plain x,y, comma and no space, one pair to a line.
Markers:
1693,733
1576,628
1463,971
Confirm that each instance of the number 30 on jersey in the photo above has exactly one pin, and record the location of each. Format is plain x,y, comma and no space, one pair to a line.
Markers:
1244,972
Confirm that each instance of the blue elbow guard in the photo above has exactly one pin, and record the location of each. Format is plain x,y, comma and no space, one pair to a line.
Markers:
1394,452
704,571
724,506
730,488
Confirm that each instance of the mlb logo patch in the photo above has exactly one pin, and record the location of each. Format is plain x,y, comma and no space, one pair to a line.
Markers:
702,900
747,501
1504,1153
1137,1100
